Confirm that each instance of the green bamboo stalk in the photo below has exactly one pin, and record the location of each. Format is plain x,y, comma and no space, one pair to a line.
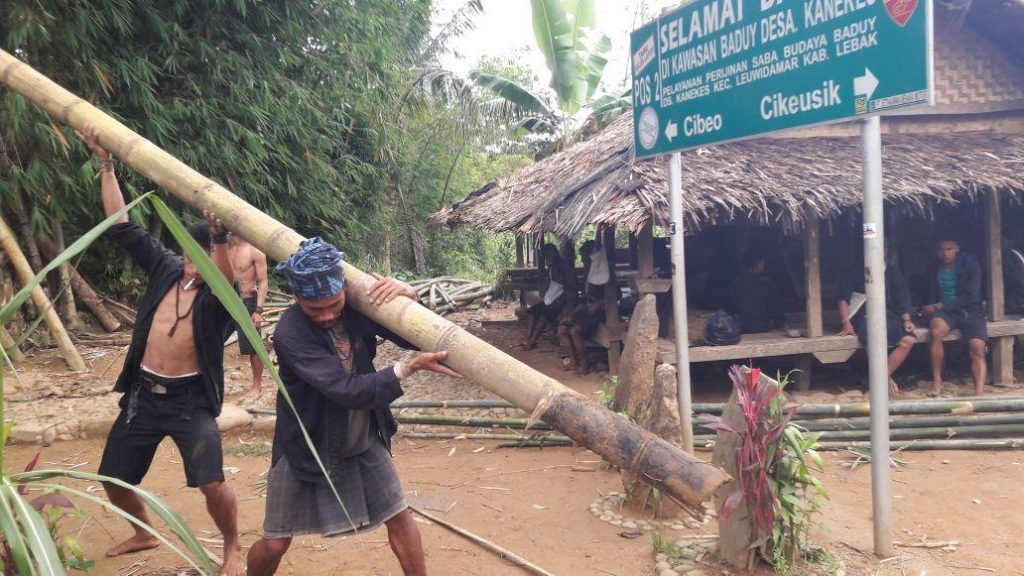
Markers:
966,444
677,474
911,421
452,436
471,422
930,432
450,404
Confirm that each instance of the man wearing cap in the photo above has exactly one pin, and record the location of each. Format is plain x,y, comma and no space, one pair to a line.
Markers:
173,376
326,353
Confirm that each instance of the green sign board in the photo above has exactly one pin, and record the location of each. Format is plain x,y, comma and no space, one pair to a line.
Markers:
719,70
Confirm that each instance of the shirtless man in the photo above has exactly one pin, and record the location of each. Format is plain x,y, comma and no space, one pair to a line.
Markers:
173,376
250,267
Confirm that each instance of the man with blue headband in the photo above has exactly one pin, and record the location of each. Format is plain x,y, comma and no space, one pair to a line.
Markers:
326,353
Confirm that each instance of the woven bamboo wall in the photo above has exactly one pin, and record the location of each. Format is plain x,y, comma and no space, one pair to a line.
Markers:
969,69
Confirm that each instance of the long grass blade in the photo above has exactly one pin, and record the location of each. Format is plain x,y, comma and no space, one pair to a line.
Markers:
233,303
174,521
77,246
207,566
12,534
37,536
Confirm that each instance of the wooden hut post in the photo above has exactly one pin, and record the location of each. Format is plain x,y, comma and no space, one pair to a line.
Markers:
812,289
611,303
568,250
520,257
21,266
645,251
1002,347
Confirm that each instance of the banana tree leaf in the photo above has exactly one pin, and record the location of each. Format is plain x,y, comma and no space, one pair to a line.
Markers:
77,246
233,304
174,521
37,537
15,541
512,92
554,35
594,64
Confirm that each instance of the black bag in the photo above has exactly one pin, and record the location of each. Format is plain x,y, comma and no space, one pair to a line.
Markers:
723,329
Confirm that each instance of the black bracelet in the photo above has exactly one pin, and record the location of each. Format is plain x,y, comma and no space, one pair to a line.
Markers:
221,238
258,310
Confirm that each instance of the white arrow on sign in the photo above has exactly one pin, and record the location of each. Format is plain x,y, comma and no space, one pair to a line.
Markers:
865,85
671,130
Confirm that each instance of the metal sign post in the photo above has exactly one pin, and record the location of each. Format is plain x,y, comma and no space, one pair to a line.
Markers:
679,324
878,369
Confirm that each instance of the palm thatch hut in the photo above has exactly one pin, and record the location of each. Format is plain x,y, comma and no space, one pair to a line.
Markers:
966,153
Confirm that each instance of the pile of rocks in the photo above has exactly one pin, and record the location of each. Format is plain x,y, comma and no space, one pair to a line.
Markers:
606,509
688,559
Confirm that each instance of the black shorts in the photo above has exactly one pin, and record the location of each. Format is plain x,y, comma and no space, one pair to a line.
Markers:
893,328
131,445
551,312
244,347
972,326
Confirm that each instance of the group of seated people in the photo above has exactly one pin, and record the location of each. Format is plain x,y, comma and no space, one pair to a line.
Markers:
954,302
578,323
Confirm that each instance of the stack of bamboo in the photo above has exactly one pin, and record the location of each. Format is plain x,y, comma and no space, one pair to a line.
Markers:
971,423
446,294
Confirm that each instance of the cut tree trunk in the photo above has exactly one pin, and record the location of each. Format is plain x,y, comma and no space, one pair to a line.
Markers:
66,301
21,266
680,476
92,300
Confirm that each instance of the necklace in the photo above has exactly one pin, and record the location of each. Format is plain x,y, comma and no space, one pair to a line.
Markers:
178,317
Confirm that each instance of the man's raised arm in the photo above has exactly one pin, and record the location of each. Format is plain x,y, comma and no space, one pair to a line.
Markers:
110,193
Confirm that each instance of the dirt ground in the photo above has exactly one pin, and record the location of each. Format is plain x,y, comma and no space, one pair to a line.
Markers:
533,502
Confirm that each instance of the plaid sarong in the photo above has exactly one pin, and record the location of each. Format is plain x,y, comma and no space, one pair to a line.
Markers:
368,485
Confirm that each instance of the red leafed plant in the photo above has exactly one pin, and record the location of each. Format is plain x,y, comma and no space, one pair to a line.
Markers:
764,423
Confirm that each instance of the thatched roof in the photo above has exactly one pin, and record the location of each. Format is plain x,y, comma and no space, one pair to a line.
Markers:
776,181
770,180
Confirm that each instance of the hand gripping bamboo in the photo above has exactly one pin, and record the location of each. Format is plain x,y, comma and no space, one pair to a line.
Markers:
682,476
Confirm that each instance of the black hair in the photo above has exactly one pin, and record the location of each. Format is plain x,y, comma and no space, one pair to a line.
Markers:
200,232
752,256
946,237
587,248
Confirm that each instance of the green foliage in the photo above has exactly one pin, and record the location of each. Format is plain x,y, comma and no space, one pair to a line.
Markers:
606,394
311,112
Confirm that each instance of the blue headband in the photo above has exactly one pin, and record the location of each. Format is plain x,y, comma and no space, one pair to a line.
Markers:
315,270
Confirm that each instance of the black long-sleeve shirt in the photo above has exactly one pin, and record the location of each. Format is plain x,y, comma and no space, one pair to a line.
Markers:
755,299
324,392
209,317
897,292
968,286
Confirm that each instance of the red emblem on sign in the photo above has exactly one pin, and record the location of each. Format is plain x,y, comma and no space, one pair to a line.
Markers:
900,10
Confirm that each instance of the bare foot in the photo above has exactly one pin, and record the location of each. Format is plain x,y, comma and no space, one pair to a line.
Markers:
136,543
894,388
234,565
935,390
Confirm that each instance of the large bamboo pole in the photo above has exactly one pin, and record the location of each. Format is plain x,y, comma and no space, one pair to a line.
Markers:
81,287
682,476
21,266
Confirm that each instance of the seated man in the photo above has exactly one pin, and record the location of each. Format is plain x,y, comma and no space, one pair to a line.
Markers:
899,326
955,290
580,323
754,296
549,309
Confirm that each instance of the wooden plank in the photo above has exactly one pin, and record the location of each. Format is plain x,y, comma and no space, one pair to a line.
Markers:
777,344
812,276
834,356
568,250
1002,361
994,241
652,285
520,254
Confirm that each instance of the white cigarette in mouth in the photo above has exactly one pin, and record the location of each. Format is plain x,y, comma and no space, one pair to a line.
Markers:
189,283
